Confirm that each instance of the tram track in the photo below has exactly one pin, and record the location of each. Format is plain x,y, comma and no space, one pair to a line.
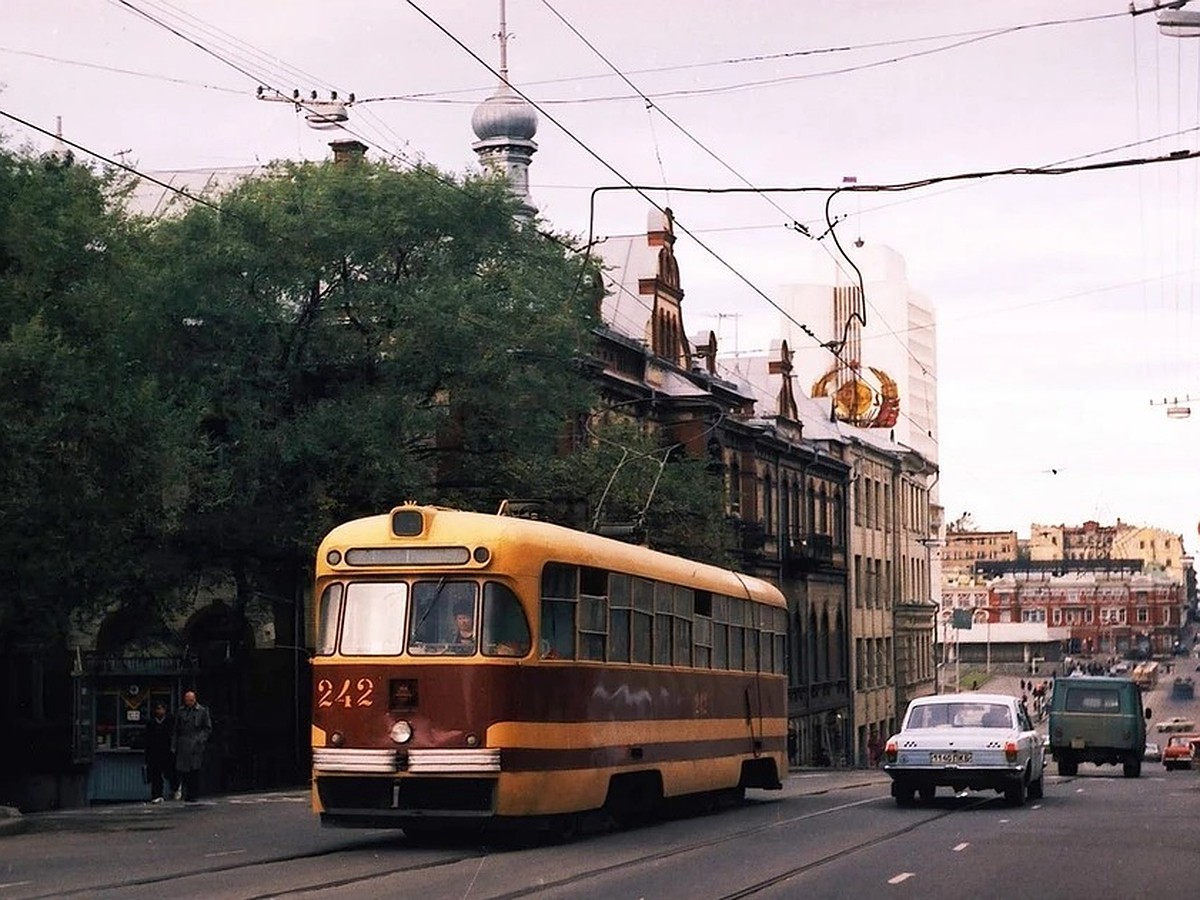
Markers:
292,883
749,890
250,864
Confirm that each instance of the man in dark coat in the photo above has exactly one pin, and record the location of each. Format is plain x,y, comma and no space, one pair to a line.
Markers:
193,725
160,761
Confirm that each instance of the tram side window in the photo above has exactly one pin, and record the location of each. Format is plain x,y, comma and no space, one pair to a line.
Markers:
737,635
702,631
720,645
373,621
664,605
505,628
560,593
682,630
702,635
328,613
766,652
620,604
643,619
781,641
593,613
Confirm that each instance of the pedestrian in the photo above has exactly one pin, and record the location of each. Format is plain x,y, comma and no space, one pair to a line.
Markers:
193,725
160,762
874,749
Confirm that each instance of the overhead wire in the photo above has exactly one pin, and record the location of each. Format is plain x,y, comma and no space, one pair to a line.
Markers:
122,71
892,187
965,38
640,190
684,131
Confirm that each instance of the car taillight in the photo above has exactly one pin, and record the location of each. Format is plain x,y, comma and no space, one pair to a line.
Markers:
891,751
1010,751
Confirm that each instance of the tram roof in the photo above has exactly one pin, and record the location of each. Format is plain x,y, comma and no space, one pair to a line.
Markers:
555,543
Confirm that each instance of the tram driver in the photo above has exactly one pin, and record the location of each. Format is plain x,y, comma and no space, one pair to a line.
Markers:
464,625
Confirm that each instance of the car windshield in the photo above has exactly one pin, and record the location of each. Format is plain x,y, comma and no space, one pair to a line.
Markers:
959,715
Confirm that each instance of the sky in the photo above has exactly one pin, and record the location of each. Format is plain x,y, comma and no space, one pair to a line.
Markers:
1065,304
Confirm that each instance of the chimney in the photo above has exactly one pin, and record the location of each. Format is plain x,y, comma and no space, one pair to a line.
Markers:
347,153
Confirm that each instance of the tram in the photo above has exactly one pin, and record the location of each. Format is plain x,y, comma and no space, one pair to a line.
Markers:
475,669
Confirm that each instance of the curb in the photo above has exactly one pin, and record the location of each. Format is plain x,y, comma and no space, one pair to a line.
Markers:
11,821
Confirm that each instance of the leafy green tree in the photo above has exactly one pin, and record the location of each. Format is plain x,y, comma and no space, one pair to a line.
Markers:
355,336
90,448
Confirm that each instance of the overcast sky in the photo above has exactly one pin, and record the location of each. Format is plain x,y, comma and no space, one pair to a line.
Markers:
1065,304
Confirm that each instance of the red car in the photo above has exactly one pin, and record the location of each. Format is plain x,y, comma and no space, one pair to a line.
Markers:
1180,751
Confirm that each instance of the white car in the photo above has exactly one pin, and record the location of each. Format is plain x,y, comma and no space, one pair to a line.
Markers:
1175,723
967,741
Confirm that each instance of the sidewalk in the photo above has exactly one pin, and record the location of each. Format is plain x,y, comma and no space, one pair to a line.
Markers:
11,821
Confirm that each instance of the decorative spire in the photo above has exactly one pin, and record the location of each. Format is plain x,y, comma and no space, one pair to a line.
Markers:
505,125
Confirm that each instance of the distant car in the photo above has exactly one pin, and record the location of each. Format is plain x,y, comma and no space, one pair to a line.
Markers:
1152,753
1180,751
969,741
1175,724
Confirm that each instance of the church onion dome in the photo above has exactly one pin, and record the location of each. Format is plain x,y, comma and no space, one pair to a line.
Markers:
504,115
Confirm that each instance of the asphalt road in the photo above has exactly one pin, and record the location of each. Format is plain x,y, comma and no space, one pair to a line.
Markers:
828,834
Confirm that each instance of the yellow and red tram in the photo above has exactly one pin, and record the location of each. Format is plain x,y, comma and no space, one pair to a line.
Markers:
480,668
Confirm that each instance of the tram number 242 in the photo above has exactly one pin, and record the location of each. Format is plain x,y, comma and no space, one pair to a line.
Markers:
348,694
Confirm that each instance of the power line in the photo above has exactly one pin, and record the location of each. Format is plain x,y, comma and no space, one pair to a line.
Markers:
119,71
640,190
111,162
969,36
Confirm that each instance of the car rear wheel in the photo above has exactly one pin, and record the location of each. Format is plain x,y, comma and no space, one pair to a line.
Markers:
1068,767
903,793
1037,789
1133,768
1014,794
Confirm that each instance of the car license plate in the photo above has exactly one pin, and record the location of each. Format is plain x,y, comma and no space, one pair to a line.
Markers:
952,756
1078,743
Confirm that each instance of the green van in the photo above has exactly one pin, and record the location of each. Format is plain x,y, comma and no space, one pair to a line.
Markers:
1098,720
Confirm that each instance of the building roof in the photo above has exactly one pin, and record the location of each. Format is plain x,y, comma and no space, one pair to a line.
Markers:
1007,633
151,199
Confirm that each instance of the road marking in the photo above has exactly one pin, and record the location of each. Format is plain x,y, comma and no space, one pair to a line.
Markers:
958,848
903,876
14,884
1079,790
223,853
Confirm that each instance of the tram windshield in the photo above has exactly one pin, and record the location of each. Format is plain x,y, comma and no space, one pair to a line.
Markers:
444,620
373,621
434,617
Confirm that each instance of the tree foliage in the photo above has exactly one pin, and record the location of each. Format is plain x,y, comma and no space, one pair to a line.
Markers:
90,449
204,395
357,336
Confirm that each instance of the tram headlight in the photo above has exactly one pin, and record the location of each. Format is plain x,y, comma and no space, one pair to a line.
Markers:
336,739
402,732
